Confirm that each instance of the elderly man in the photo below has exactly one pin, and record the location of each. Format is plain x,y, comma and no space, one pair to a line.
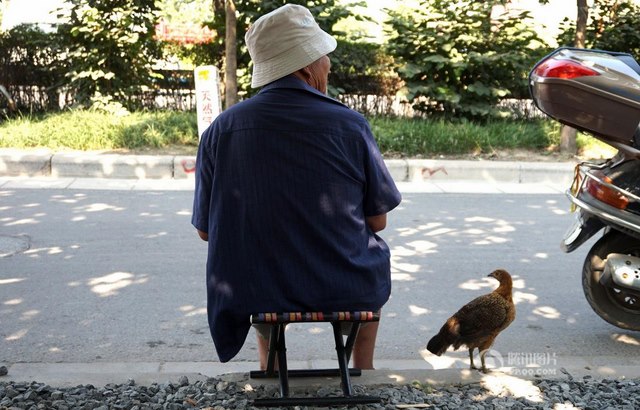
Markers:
290,192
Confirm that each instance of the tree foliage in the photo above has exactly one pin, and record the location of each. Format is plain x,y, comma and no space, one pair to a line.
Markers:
363,68
110,49
613,26
185,12
365,74
32,58
28,55
326,13
454,58
459,62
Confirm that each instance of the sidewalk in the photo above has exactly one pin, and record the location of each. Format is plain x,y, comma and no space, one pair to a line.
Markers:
45,163
394,372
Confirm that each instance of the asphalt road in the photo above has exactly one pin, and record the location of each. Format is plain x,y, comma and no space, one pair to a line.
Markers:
118,276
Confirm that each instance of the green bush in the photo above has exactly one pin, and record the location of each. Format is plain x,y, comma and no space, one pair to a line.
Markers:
457,62
363,69
30,57
110,49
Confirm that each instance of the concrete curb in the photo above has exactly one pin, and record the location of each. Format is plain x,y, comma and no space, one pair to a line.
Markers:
25,163
111,165
44,162
419,170
394,372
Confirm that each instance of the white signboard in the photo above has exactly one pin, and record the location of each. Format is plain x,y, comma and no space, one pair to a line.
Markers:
207,96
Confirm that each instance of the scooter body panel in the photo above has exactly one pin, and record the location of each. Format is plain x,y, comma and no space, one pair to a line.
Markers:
598,92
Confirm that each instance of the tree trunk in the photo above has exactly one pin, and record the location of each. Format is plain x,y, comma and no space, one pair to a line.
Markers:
581,23
231,60
568,142
568,134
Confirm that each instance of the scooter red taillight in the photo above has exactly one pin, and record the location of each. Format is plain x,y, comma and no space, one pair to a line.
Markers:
566,69
605,193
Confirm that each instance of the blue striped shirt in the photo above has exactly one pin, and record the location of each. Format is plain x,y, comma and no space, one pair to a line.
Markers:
284,181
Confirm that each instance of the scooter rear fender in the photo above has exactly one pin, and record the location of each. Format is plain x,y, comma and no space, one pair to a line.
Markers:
583,228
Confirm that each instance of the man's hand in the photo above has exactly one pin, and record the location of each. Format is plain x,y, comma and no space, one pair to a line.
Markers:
203,235
377,223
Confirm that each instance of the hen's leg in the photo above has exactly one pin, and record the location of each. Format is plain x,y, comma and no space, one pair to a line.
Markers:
484,368
483,349
471,366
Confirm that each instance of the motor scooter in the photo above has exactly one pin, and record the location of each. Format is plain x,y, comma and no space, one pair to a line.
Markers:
598,92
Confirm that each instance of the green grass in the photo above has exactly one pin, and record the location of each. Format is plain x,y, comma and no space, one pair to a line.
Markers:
419,137
397,137
92,130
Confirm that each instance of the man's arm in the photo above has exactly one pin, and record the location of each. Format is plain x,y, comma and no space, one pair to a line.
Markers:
377,223
205,164
203,235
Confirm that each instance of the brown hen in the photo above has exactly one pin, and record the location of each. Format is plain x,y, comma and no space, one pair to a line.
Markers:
477,323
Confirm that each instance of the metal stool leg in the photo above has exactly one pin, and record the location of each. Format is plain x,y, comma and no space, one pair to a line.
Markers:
344,354
351,339
283,373
273,350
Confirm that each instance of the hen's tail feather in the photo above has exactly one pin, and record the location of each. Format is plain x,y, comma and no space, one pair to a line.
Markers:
447,335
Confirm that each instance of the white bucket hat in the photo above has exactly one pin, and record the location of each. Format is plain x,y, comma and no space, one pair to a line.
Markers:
284,41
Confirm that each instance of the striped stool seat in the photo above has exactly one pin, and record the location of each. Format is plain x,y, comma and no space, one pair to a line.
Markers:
277,348
289,317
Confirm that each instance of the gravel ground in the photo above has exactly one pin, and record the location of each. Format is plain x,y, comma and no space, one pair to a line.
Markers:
216,394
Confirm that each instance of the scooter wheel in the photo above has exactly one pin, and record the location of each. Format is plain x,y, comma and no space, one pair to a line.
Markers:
617,306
